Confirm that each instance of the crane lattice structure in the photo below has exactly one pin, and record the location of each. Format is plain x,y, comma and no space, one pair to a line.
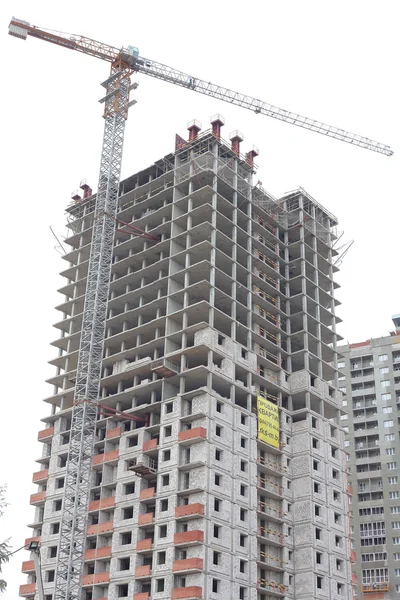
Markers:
124,62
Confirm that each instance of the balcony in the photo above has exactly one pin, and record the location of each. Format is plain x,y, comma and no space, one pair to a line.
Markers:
114,433
273,536
40,476
28,566
148,494
145,519
187,565
97,553
96,578
29,589
273,562
38,499
189,511
150,445
275,587
189,538
165,367
144,545
141,596
143,572
100,528
275,514
144,466
192,436
46,434
372,588
107,457
193,592
270,466
102,504
271,487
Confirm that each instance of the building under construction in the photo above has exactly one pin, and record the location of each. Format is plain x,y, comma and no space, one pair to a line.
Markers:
218,469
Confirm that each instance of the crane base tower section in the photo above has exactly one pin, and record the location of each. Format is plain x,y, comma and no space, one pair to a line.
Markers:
219,470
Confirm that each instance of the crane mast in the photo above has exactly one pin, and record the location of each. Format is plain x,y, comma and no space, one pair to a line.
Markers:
124,62
79,466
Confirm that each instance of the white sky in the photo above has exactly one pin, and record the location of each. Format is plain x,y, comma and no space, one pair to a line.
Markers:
333,61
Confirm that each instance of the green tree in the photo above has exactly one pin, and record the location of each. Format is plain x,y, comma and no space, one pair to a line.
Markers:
4,546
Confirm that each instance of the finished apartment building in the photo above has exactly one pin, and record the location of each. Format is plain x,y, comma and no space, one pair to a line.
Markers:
370,381
223,475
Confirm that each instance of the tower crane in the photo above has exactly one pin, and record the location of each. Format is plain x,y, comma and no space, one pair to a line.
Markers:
124,63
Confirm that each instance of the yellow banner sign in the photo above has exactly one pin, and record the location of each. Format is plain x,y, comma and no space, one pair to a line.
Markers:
268,422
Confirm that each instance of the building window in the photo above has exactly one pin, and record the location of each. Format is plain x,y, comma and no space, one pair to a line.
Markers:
317,510
218,430
243,466
385,397
215,586
394,495
392,480
341,365
388,423
126,538
396,556
165,480
383,357
319,583
318,558
216,558
122,590
389,437
129,488
385,383
168,431
217,531
346,444
242,593
162,531
395,524
384,370
160,585
243,442
315,443
395,510
167,455
52,551
217,504
396,541
161,558
318,533
387,410
133,441
391,466
218,454
164,505
242,540
219,406
243,419
243,514
315,465
217,479
124,564
169,407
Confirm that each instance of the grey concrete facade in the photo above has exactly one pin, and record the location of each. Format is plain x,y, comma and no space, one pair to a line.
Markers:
370,380
234,301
